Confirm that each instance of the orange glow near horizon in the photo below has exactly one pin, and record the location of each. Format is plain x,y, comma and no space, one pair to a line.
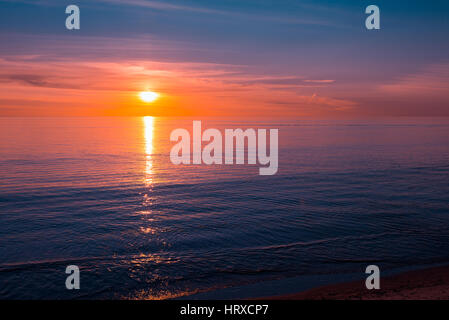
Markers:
108,88
100,88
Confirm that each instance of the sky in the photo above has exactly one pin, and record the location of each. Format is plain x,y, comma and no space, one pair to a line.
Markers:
227,58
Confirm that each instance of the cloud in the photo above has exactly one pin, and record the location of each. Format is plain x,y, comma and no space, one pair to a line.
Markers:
30,79
292,81
432,80
163,6
285,19
320,81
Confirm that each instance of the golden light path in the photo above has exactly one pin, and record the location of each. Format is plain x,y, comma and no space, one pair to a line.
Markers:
148,123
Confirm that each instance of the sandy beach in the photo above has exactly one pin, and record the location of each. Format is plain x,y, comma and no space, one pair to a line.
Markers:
427,284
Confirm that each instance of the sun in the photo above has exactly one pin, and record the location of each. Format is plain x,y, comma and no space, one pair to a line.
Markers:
148,96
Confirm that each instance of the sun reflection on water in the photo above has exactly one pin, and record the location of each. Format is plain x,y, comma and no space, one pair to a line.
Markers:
148,134
142,266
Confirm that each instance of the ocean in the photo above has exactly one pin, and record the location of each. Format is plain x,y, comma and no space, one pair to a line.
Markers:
102,194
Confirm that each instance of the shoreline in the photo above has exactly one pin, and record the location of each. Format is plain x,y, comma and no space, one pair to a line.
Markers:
425,284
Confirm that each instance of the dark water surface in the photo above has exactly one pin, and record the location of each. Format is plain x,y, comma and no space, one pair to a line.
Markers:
101,193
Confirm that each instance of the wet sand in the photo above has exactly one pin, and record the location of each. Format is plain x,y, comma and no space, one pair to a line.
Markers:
427,284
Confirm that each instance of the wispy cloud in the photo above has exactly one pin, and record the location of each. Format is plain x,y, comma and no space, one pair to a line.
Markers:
163,6
319,81
432,80
285,19
285,82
